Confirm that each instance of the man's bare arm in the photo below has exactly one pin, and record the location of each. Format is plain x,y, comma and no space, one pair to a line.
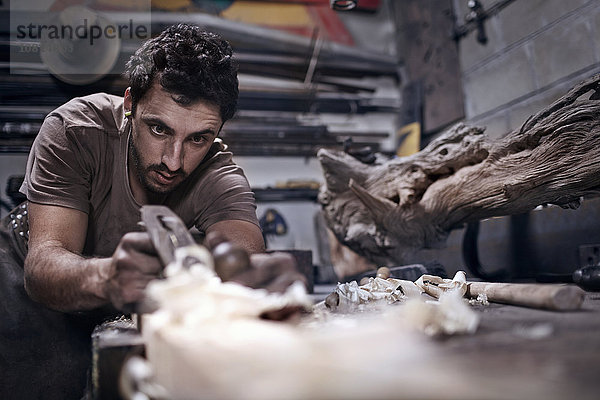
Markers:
241,233
58,276
55,272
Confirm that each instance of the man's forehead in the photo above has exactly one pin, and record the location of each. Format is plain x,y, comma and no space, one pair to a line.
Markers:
156,97
156,90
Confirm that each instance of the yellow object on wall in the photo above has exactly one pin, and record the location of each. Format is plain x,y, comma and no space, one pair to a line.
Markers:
267,13
409,139
171,4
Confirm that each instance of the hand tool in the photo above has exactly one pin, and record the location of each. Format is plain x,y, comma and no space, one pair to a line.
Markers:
168,233
559,297
587,278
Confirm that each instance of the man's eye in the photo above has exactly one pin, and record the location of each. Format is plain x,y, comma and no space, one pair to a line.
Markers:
158,129
198,139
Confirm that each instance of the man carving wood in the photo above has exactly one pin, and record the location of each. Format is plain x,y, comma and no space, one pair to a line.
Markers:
95,162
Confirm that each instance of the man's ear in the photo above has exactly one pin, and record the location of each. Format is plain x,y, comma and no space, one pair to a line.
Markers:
127,102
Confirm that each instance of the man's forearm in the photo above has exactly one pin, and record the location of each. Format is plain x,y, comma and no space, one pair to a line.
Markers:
65,281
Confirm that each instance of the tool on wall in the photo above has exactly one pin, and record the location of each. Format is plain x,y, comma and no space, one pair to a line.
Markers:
477,15
272,223
475,18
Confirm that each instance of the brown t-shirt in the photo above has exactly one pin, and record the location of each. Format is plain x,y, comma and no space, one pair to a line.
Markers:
79,160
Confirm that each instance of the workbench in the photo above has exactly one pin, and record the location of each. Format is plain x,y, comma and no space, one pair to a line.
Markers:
516,353
536,353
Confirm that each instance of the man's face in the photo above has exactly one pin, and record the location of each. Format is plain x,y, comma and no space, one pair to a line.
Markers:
169,139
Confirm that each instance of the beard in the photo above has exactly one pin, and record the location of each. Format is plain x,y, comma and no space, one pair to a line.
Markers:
143,172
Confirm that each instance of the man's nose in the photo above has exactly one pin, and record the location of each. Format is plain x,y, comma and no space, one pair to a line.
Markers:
173,155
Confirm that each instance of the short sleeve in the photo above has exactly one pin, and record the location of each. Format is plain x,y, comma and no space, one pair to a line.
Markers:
58,168
227,197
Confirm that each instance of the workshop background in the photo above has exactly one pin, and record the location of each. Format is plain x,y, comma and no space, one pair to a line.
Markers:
390,75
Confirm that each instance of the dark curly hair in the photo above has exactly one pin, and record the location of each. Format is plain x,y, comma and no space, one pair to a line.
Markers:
188,62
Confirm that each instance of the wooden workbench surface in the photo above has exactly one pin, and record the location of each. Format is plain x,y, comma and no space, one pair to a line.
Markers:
528,353
516,353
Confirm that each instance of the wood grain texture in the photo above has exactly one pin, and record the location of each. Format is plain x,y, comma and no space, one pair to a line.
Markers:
385,210
536,295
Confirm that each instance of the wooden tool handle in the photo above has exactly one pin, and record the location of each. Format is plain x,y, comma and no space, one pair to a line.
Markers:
548,296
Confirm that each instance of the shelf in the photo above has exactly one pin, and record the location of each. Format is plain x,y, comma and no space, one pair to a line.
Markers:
285,194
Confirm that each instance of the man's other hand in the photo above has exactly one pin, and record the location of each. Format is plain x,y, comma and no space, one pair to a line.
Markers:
272,271
134,263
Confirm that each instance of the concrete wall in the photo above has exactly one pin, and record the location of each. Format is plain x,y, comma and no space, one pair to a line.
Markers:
545,240
537,50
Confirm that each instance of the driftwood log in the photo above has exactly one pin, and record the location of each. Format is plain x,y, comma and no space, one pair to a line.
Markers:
385,210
